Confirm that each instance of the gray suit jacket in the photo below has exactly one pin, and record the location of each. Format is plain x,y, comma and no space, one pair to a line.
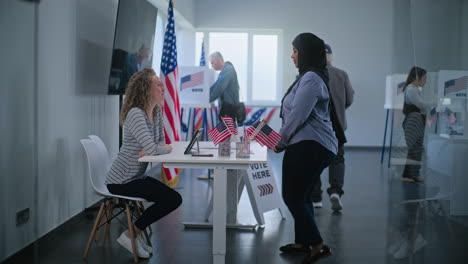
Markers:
342,92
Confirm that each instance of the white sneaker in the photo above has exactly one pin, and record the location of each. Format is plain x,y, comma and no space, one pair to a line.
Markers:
125,242
403,250
336,202
144,245
318,205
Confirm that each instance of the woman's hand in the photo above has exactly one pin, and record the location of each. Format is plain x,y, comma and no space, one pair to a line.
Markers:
278,149
168,146
142,154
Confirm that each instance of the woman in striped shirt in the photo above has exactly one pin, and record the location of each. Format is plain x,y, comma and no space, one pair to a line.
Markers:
141,117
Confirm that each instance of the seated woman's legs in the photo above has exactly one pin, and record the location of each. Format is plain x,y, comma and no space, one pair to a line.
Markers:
165,199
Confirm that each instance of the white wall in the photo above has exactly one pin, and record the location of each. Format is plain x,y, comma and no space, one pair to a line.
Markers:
428,33
43,164
74,55
360,33
17,130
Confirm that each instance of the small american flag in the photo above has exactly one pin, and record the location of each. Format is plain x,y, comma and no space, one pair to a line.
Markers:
192,80
450,115
432,117
220,133
266,136
230,124
456,85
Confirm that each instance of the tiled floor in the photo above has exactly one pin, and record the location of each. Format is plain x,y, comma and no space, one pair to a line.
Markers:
360,234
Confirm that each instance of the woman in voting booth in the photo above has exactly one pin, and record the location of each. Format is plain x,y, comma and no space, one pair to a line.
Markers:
309,142
141,118
415,109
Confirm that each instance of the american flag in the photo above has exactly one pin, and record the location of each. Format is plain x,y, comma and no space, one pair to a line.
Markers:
220,133
169,74
450,115
266,136
456,85
230,124
202,56
191,80
432,117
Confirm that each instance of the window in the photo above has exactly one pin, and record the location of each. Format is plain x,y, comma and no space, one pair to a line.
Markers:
254,54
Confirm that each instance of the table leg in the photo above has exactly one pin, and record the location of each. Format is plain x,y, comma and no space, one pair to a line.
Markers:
219,216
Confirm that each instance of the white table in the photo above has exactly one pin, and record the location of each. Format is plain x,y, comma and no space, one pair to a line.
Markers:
177,159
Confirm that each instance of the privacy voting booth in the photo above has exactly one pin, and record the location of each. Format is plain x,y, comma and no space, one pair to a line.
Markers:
194,85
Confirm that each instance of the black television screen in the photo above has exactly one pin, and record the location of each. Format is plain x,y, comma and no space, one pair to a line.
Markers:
133,42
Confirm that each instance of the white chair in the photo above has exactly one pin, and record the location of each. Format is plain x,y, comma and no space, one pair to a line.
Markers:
102,147
97,174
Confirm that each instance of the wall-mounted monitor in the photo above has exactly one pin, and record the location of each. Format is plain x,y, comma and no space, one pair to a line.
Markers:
133,42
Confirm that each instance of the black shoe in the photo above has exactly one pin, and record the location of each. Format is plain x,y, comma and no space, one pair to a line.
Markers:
291,249
324,252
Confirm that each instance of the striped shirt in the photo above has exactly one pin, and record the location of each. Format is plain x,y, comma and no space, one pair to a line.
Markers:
139,134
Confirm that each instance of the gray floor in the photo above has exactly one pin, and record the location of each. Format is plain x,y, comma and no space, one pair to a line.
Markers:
360,234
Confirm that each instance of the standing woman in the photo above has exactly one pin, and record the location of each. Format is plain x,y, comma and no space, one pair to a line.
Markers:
309,141
414,109
141,117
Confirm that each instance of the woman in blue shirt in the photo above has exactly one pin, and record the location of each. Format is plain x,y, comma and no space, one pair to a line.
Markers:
309,141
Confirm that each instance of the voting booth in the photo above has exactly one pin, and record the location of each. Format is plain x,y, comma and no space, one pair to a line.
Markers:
394,96
194,85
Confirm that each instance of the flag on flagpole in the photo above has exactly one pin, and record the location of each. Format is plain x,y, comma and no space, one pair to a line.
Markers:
220,133
202,56
169,75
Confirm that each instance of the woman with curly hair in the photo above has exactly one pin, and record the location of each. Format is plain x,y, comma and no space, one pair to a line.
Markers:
141,118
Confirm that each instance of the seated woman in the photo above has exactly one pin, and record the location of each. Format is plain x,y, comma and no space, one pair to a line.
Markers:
141,117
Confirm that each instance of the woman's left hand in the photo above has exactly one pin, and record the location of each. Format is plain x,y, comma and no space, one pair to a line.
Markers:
142,154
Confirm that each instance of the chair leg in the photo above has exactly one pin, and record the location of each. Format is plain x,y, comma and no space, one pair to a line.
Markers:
138,213
131,231
93,231
98,231
143,209
110,214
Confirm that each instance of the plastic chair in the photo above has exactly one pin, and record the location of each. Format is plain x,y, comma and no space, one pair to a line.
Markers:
102,147
98,170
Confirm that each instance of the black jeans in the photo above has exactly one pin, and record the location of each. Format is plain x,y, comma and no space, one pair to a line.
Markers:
303,163
165,198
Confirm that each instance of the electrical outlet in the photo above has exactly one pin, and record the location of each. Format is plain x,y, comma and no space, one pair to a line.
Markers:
22,217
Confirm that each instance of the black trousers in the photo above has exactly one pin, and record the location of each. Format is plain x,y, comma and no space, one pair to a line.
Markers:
303,163
165,198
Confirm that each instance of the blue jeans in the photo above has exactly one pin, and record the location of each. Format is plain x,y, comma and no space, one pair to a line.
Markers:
303,163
